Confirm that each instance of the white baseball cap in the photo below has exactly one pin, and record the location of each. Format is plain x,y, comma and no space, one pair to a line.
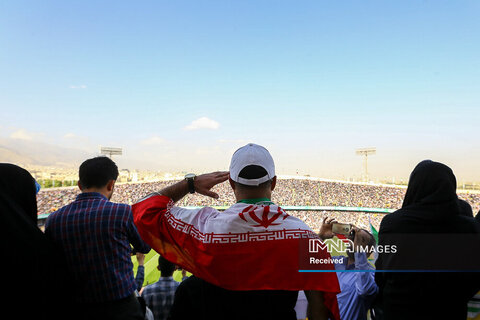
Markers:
251,154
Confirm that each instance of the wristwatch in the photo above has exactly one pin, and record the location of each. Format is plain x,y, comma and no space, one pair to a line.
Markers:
190,177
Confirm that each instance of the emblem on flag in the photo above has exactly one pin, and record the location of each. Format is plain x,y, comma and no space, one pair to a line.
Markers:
264,220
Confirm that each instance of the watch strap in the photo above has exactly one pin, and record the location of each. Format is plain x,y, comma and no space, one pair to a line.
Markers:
191,186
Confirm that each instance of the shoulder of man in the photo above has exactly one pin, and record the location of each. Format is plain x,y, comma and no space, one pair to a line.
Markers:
123,206
148,289
194,215
54,215
120,207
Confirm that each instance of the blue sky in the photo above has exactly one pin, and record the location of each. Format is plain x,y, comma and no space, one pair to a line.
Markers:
311,80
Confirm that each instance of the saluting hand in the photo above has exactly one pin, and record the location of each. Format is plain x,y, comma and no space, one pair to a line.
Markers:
204,182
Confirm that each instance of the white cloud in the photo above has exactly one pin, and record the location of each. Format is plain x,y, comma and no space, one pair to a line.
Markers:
21,134
154,140
73,140
73,137
82,86
203,123
70,136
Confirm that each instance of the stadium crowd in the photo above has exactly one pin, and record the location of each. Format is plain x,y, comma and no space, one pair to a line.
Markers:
289,192
239,258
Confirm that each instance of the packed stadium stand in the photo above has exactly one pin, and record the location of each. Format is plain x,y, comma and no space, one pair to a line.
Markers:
289,192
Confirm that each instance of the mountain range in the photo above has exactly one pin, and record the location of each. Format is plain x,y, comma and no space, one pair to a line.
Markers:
30,152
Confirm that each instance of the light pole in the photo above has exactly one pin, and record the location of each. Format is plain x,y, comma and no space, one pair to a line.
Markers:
365,152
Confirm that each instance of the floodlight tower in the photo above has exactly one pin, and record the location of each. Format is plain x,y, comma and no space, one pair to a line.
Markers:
365,152
109,151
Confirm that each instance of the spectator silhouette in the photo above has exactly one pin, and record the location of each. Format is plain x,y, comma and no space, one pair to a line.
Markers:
159,295
430,212
358,289
95,236
34,281
465,208
236,279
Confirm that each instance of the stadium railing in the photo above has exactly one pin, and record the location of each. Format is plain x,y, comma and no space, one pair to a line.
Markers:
42,217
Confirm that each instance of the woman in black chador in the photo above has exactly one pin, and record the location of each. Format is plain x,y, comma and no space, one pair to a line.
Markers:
430,235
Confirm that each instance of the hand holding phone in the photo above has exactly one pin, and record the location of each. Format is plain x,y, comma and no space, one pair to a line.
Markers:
341,228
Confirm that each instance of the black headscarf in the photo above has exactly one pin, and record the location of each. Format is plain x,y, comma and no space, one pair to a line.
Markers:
430,200
430,228
34,276
434,184
431,183
18,202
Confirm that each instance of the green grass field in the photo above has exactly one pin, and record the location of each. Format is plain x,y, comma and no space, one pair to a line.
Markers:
151,272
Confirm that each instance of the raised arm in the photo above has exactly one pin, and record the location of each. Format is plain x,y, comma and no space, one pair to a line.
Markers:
160,223
364,281
326,228
202,183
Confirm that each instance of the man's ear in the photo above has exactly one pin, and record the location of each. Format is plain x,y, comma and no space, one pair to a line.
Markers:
274,183
79,185
110,185
232,183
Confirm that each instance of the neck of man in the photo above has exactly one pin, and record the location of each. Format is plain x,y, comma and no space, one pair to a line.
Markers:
255,194
102,191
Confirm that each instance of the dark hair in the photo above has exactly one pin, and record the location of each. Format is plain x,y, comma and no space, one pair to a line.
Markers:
97,172
253,172
372,242
165,266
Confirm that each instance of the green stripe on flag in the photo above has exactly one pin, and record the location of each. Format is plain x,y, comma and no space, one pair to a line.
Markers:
373,231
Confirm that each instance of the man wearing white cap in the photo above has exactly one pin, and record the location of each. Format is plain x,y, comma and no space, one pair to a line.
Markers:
245,259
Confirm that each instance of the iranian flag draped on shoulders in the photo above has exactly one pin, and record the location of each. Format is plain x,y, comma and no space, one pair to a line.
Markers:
253,245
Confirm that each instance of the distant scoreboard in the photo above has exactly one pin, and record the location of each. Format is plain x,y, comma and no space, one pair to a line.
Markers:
110,151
